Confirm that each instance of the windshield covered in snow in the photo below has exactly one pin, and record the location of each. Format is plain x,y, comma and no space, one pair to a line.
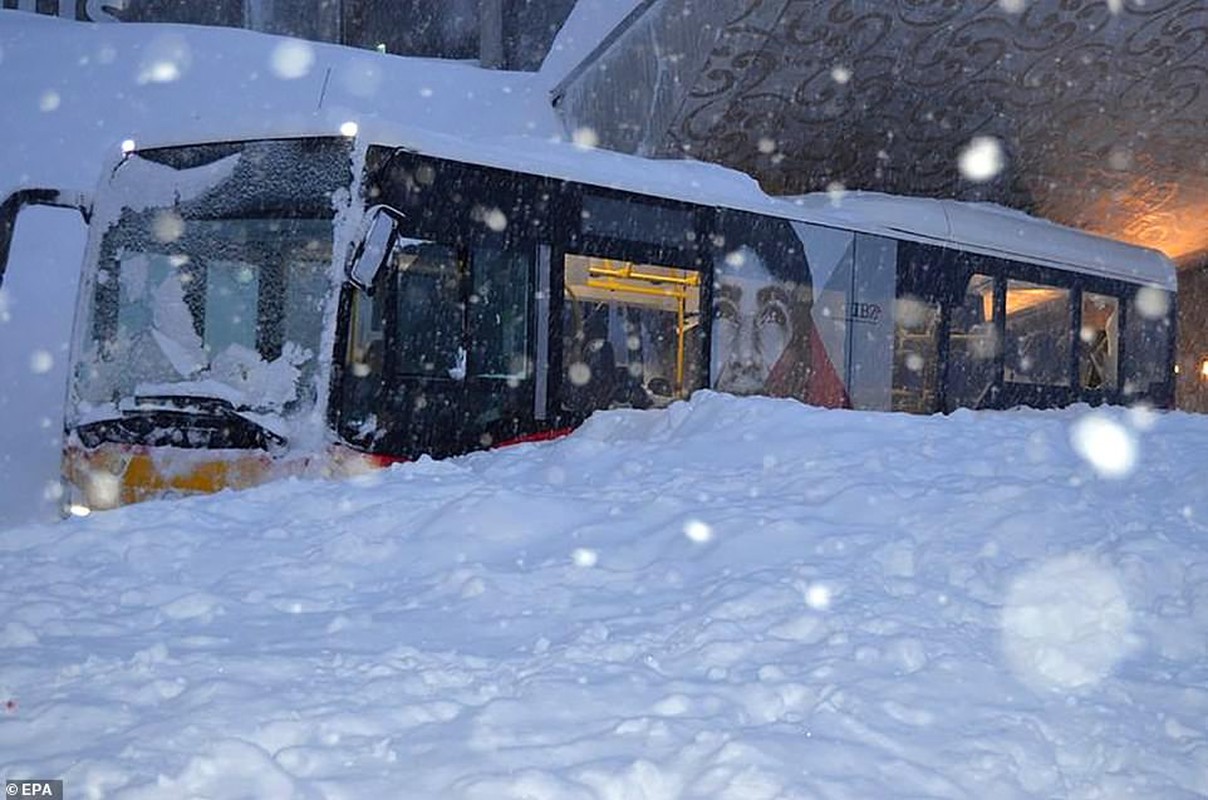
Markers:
211,276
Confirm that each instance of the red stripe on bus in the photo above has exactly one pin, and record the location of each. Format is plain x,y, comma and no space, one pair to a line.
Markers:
540,436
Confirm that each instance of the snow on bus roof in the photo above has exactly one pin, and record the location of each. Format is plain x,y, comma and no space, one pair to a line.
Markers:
995,230
984,228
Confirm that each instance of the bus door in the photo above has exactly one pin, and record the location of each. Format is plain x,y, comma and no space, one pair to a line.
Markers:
923,286
440,353
973,361
501,300
871,328
632,299
632,333
1098,345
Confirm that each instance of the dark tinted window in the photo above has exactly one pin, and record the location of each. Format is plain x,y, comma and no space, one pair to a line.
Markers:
637,221
429,311
1147,342
1099,342
972,345
498,313
1038,330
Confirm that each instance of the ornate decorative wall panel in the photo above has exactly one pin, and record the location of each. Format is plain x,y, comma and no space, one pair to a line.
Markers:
1101,107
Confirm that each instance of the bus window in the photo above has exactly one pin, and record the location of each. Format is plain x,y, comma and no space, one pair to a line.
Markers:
972,346
651,223
498,314
915,354
1147,345
364,359
1037,334
232,289
1099,342
428,340
306,285
215,312
631,334
153,320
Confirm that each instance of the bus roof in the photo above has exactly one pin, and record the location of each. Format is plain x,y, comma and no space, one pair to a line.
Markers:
981,228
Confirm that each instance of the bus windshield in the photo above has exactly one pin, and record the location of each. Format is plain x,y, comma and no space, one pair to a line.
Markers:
211,277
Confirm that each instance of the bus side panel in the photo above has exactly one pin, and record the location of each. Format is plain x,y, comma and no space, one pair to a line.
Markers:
828,252
1148,346
871,340
779,297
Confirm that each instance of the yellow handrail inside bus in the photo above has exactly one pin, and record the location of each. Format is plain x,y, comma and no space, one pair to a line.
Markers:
630,279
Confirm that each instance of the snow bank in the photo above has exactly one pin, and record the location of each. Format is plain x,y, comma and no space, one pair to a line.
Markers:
728,598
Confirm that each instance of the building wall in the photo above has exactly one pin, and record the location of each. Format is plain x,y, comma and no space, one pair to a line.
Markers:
84,10
520,32
431,28
1192,386
318,20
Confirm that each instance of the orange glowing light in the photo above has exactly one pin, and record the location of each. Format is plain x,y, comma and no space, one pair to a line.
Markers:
1022,296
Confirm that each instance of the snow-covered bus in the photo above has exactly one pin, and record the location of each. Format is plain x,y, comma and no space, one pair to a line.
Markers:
340,299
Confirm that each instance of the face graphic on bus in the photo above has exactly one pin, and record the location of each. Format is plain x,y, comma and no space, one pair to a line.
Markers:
758,321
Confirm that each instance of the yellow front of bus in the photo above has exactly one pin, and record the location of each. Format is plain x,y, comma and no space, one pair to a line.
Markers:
197,354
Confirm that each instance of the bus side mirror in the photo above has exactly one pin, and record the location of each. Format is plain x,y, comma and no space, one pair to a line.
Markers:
373,251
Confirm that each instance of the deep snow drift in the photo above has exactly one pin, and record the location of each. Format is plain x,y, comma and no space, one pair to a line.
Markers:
732,598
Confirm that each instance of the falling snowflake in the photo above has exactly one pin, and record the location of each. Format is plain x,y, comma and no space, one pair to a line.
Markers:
698,531
586,138
818,597
1065,624
292,59
585,557
981,160
579,374
1152,302
41,362
1109,447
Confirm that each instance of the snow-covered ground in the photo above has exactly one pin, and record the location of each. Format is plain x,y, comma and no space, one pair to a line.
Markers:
731,598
